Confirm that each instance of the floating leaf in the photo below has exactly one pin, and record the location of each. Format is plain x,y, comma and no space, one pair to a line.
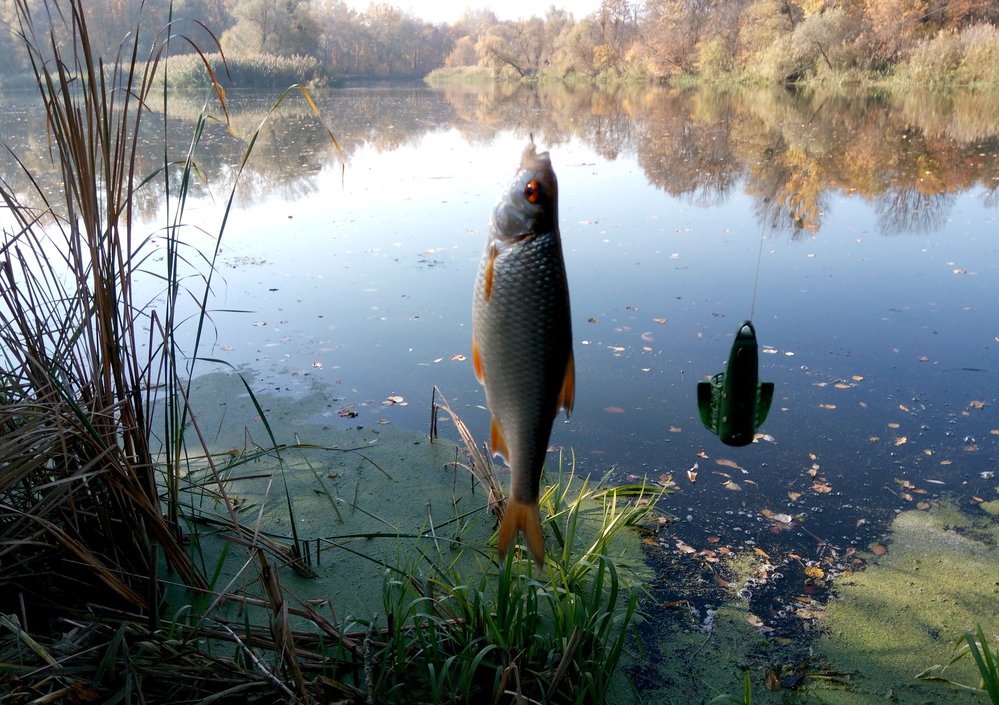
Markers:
842,385
725,462
394,399
794,496
827,406
675,429
976,404
901,441
685,548
814,572
762,553
857,378
923,505
878,550
692,474
822,487
660,321
458,357
613,409
732,485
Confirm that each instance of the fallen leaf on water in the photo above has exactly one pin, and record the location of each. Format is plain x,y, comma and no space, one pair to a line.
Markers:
779,517
904,408
813,571
923,505
906,496
685,548
458,357
946,462
725,462
731,485
772,680
702,454
857,378
647,337
713,539
827,406
675,429
347,413
814,470
394,399
692,474
660,321
975,404
794,496
878,550
651,541
613,409
924,358
821,487
761,552
842,385
894,425
994,431
901,441
764,437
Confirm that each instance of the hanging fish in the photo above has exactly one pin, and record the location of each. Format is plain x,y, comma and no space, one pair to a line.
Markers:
522,338
735,403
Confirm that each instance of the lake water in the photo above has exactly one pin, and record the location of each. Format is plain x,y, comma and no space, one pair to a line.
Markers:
860,234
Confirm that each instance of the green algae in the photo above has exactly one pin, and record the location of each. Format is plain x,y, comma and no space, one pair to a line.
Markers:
890,622
368,499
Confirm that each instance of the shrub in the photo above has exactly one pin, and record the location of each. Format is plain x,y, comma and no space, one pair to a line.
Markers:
980,60
247,71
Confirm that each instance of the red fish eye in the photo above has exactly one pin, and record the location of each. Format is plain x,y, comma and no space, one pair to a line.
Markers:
532,192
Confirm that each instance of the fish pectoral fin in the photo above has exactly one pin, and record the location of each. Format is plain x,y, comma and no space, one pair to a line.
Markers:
766,398
497,441
487,277
525,517
567,395
477,361
705,395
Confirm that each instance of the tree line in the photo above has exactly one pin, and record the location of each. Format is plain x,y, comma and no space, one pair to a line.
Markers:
954,41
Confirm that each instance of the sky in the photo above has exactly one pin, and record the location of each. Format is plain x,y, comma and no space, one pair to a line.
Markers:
450,10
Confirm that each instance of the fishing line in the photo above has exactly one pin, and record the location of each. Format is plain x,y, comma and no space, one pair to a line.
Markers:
756,280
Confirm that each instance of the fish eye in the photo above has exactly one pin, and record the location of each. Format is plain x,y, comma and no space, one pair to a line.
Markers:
532,192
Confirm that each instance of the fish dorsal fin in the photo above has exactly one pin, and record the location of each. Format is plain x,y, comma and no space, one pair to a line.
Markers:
498,441
525,517
567,395
477,361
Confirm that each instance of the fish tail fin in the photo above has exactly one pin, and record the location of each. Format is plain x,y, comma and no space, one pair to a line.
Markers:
527,518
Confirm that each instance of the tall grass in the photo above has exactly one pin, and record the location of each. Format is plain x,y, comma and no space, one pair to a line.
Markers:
82,359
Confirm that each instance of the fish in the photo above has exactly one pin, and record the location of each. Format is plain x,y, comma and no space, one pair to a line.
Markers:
734,404
522,338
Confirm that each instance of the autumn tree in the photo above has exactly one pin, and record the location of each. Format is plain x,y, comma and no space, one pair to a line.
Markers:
279,27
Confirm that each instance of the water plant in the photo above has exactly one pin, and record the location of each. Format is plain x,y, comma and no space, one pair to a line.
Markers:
986,660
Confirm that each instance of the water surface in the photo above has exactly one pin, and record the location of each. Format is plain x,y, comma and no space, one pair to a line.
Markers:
858,232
